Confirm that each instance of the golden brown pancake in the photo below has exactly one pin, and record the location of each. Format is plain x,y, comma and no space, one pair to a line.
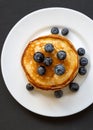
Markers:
50,80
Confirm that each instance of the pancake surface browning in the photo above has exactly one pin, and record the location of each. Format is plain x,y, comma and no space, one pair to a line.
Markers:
50,80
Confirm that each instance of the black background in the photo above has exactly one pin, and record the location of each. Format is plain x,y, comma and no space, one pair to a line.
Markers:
12,115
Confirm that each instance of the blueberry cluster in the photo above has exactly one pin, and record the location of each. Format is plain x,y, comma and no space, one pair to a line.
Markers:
64,31
72,86
83,61
82,70
47,61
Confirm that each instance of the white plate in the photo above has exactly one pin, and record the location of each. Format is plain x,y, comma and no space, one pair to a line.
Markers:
36,24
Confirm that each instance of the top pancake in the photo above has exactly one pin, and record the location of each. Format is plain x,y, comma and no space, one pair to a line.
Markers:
50,80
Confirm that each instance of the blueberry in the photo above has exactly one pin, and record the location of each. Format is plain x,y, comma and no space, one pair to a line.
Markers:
59,69
58,93
54,30
49,47
74,87
81,51
65,31
38,57
82,71
48,61
83,61
61,55
41,70
29,87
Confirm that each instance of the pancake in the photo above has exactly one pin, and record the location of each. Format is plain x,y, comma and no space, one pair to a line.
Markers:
50,80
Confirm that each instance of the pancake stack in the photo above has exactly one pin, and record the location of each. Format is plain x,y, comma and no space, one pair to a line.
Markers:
50,80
